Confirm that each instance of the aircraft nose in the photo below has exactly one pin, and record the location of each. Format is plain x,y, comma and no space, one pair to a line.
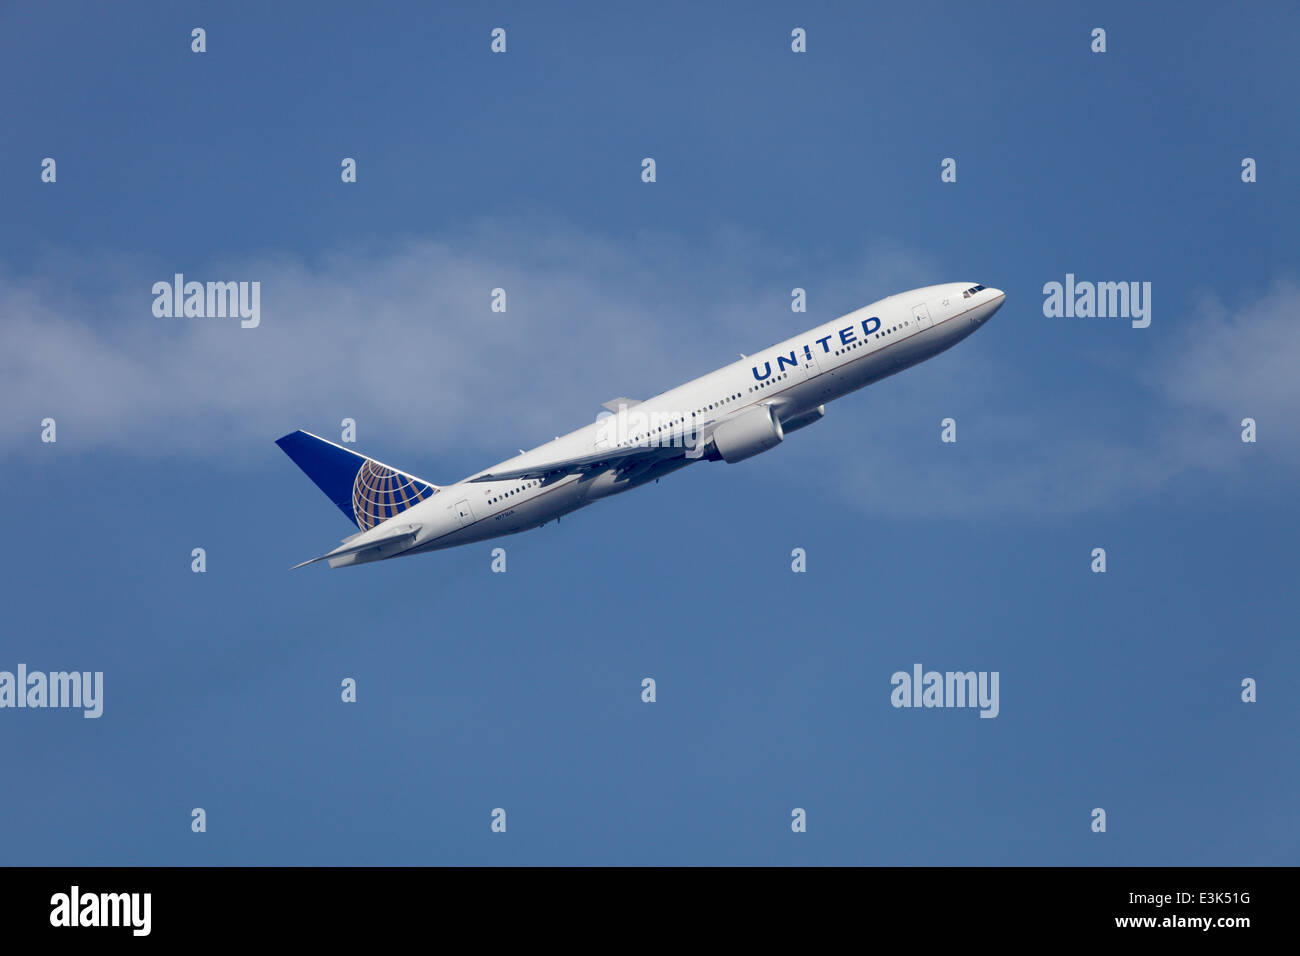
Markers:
994,303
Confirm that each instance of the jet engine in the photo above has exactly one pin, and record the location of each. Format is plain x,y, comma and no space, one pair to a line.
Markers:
746,435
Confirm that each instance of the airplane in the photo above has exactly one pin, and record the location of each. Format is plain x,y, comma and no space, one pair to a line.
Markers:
731,414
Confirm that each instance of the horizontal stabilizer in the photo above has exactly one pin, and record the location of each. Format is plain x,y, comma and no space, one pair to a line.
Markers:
396,540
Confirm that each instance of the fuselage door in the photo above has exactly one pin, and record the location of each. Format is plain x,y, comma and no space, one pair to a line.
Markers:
462,512
808,354
922,316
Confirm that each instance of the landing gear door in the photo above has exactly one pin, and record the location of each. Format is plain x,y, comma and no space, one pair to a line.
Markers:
922,316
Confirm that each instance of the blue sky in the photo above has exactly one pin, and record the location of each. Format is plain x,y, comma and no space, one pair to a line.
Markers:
522,690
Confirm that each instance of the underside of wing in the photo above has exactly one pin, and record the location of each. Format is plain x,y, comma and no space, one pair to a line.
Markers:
601,460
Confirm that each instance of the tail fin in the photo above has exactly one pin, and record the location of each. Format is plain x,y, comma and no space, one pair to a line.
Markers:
365,490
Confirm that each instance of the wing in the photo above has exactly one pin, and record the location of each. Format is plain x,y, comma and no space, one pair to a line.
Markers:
624,459
602,460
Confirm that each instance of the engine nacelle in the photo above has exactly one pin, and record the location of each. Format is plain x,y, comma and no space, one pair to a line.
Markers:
803,421
745,436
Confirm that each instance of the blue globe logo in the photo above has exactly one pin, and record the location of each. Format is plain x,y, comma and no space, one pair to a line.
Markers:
378,493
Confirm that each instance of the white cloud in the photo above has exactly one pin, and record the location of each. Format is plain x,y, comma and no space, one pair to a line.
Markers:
1243,363
402,339
399,339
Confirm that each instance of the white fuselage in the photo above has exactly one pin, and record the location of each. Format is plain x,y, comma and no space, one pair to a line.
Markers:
795,377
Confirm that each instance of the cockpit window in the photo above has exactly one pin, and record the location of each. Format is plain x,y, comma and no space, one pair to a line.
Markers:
971,291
